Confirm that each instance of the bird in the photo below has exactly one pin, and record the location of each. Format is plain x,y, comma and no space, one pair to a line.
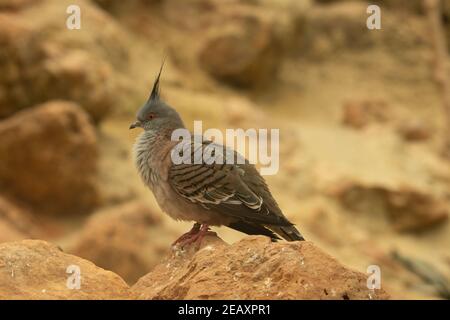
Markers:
209,194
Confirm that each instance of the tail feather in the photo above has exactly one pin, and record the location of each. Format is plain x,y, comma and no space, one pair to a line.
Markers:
253,229
289,233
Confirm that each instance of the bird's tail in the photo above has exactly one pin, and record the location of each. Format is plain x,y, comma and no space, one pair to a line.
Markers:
289,233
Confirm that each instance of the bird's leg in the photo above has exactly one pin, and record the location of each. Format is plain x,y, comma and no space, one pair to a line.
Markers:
204,230
195,229
197,237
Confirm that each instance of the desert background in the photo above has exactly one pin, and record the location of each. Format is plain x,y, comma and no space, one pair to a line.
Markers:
364,167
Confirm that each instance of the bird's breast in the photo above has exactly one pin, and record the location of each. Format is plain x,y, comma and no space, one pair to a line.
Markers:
144,158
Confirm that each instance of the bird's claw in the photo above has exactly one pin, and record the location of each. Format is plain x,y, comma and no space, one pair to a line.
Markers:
194,236
195,229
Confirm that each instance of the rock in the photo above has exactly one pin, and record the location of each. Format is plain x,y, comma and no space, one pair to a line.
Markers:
336,27
415,6
253,268
35,269
16,4
80,77
288,17
119,7
415,130
8,233
242,113
16,223
41,60
359,113
408,209
247,39
244,51
127,239
48,156
340,27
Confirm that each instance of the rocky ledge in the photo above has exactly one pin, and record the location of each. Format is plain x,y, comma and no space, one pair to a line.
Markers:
253,268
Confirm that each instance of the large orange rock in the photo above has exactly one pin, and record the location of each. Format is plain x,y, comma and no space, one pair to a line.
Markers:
49,158
34,269
127,239
253,268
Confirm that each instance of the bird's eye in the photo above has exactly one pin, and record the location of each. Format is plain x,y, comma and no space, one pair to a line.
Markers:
150,116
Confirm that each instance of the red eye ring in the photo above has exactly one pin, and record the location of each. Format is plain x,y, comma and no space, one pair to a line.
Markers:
151,116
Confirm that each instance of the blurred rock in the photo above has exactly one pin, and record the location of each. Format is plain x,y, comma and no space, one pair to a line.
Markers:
281,4
16,223
288,18
16,4
329,226
35,269
445,9
411,5
415,6
49,155
8,233
428,273
118,6
80,77
340,27
244,51
332,28
127,239
114,164
359,113
242,113
246,40
253,268
406,208
41,60
415,130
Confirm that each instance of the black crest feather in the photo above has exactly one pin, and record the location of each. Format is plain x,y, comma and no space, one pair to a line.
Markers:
155,91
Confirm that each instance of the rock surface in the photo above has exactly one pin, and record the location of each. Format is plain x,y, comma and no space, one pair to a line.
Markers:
340,27
16,4
45,152
77,66
360,113
237,42
16,223
248,40
407,208
34,269
415,130
242,53
124,239
253,268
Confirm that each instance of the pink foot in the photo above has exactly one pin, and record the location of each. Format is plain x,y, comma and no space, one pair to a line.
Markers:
197,237
195,229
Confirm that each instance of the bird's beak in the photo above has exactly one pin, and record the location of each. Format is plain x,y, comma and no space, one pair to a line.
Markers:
135,125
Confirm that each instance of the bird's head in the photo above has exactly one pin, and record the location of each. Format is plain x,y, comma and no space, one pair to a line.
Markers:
155,114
